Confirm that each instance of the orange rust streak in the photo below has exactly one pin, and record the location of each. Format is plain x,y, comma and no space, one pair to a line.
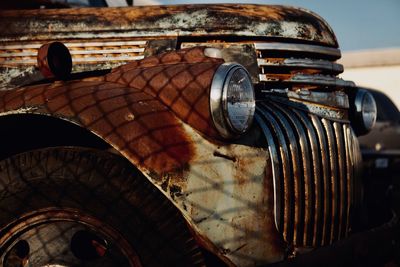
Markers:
134,122
181,80
192,55
131,107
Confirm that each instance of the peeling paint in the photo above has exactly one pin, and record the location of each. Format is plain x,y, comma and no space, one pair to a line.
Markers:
182,20
222,198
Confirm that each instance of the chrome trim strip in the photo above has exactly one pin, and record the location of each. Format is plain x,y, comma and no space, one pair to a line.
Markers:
20,54
80,44
107,51
333,178
323,148
342,178
78,60
337,99
304,160
302,63
311,79
120,58
331,113
276,174
350,173
286,219
297,183
329,51
79,52
315,176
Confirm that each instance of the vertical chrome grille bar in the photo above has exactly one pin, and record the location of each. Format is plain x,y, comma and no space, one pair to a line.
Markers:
315,165
316,175
334,177
294,179
341,156
349,171
286,217
325,178
275,171
306,174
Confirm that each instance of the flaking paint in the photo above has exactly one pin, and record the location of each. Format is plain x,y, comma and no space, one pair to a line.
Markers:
228,203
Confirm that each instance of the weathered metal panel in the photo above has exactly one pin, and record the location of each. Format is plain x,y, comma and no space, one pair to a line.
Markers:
224,190
183,87
181,20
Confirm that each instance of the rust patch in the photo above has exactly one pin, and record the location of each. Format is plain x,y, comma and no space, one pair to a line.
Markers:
153,139
54,60
218,154
181,80
183,20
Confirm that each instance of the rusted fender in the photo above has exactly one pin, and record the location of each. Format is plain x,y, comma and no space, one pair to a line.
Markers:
225,191
181,20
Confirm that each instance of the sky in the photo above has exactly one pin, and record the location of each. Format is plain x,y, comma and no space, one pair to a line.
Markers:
358,24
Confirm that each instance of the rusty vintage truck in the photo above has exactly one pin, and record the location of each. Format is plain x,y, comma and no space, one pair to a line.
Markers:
189,135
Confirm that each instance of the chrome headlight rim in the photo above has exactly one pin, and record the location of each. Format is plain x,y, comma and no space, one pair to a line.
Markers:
362,113
219,100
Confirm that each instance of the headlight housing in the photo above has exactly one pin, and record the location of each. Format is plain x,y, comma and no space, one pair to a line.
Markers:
232,100
363,112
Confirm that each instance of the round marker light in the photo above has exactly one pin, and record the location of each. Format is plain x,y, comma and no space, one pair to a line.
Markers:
54,61
365,112
232,100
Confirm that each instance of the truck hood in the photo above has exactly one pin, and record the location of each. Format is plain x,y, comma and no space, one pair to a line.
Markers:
179,20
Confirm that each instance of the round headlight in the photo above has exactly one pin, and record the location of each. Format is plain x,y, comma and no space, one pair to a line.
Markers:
365,112
232,100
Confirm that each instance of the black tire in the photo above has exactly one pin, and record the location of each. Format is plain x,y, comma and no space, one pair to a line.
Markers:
101,185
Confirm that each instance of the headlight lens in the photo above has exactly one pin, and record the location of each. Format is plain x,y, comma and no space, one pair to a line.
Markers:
232,100
368,110
365,112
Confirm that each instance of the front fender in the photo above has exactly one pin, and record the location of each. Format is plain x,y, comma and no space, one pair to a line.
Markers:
223,190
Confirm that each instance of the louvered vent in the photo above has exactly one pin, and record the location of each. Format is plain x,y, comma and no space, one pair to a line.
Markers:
91,52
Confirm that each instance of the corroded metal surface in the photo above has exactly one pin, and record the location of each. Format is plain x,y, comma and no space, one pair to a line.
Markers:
242,53
181,20
54,60
313,184
223,190
299,66
82,51
321,110
106,38
116,112
18,59
183,87
155,112
51,228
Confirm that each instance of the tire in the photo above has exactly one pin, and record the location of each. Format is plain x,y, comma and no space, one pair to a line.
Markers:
80,196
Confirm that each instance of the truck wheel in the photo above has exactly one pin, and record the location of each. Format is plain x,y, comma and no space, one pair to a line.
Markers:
81,207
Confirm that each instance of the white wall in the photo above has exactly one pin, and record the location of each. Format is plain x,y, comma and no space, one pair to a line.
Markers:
375,68
383,78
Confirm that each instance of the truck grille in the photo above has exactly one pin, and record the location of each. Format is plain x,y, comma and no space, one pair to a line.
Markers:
314,165
290,64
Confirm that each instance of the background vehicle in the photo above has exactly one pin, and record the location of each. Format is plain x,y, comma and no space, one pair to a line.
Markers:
180,154
381,156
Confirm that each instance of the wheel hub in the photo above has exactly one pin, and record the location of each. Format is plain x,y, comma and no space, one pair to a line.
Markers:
62,238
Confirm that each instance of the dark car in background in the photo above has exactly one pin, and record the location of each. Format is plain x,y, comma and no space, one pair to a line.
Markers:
380,150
